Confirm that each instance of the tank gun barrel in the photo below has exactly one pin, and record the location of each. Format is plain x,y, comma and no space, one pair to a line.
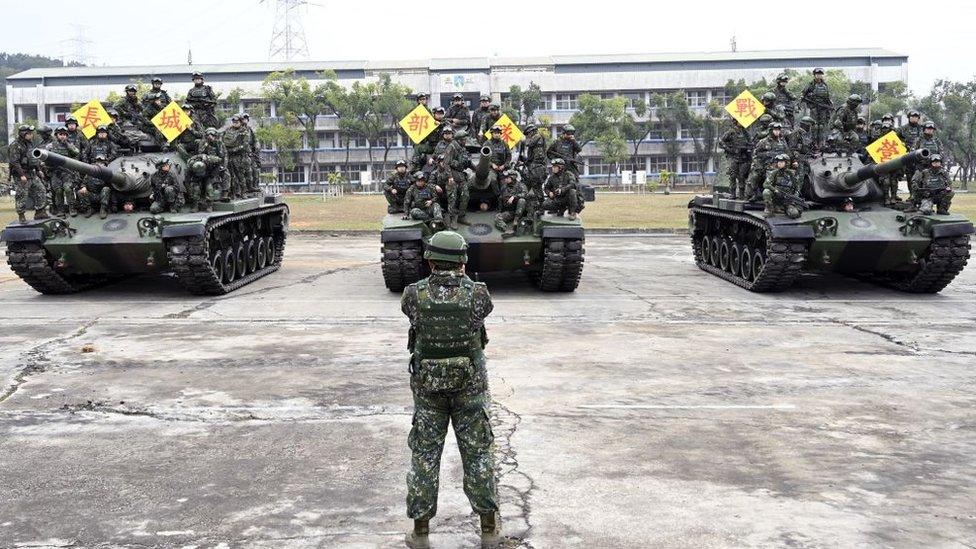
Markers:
877,170
121,182
482,168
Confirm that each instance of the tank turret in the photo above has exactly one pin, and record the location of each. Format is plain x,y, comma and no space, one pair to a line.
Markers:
128,175
841,176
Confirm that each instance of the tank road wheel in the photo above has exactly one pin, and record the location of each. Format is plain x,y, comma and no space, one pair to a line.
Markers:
402,264
562,265
946,258
217,263
240,259
758,263
260,252
713,250
735,258
723,256
745,264
706,247
251,253
230,265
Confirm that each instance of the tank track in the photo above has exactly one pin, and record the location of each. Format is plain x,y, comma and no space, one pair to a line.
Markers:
562,265
196,265
30,262
402,264
781,259
946,258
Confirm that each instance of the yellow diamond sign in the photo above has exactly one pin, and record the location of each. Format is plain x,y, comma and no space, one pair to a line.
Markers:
887,147
418,123
511,134
171,121
745,108
91,116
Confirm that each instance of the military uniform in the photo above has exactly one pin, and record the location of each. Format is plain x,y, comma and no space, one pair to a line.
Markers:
817,97
737,145
101,147
762,156
449,381
487,122
186,143
63,181
421,203
238,161
512,201
459,116
214,179
564,188
787,99
909,134
844,137
31,193
803,146
168,193
94,194
457,190
935,185
154,101
567,149
501,156
254,154
477,120
204,101
130,110
534,157
399,182
780,190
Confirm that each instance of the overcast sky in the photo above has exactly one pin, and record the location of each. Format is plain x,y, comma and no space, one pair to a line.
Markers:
938,36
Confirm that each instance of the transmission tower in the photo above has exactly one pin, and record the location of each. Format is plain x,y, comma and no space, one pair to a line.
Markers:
75,49
288,36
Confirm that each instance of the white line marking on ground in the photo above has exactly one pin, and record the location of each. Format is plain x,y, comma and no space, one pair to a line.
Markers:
689,406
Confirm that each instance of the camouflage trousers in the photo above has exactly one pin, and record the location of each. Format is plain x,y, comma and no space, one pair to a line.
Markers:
63,196
942,200
172,199
239,167
821,117
200,191
432,212
472,429
567,201
255,173
509,213
31,194
738,176
458,196
394,201
95,198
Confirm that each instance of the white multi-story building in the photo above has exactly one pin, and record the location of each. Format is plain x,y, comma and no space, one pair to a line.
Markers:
47,94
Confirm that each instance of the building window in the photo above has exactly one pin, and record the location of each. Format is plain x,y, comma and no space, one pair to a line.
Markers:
693,164
567,101
354,141
691,133
257,108
597,166
350,172
696,98
632,97
656,133
657,164
721,96
546,102
294,175
326,140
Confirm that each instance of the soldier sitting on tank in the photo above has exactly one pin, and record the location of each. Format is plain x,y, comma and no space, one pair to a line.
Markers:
455,195
776,111
395,187
909,134
889,182
129,108
63,181
93,193
844,137
512,201
115,133
101,145
567,148
781,191
188,141
932,186
202,171
458,115
155,99
423,152
488,121
218,179
561,190
422,202
762,158
168,194
501,155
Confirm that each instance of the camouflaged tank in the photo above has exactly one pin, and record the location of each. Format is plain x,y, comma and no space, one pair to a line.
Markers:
912,251
549,248
210,253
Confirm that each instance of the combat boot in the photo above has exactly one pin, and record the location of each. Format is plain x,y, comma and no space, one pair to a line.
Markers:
418,537
489,530
41,214
767,211
22,217
72,211
103,212
572,216
89,212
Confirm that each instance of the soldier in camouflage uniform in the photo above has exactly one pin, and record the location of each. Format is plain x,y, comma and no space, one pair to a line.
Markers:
204,102
115,133
63,181
776,111
501,155
255,154
422,98
129,108
781,190
909,133
458,115
423,152
155,99
928,140
168,193
101,145
512,202
762,158
479,115
561,190
455,159
30,190
844,137
395,187
861,129
488,121
566,148
75,136
737,145
817,97
43,136
932,185
238,160
188,141
786,98
803,146
207,172
421,201
95,194
533,157
449,381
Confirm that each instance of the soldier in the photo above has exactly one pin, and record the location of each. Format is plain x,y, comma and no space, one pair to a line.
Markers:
75,136
255,155
155,99
781,190
817,97
395,187
909,134
115,133
561,190
458,114
928,140
501,155
737,145
874,132
129,108
208,171
776,111
62,180
489,121
512,201
762,157
102,146
422,98
423,152
533,158
889,118
93,193
803,146
168,193
456,160
785,97
238,160
421,201
204,101
186,143
30,190
844,137
44,136
479,115
932,186
449,382
566,148
861,129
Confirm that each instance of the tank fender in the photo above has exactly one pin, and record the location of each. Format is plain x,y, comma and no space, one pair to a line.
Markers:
22,234
562,232
184,229
401,235
791,231
943,230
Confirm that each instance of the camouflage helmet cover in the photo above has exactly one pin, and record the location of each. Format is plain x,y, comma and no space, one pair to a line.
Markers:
447,246
935,158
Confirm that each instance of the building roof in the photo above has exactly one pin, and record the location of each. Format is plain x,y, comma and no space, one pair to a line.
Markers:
461,63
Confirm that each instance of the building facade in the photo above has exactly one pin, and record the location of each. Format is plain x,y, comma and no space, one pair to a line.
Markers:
46,95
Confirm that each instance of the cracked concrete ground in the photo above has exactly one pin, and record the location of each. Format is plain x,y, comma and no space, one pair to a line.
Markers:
655,407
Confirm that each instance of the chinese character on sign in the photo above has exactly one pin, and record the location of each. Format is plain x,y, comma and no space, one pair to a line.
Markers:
90,116
887,147
745,108
171,121
511,134
418,123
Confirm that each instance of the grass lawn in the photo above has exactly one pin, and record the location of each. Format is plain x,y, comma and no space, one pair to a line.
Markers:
610,211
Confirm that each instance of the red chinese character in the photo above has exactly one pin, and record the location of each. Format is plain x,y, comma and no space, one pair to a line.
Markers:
888,150
90,118
418,123
746,107
507,133
171,120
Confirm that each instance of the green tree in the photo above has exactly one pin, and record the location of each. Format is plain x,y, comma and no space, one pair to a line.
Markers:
285,135
635,130
706,129
672,113
373,111
522,104
600,121
952,107
294,96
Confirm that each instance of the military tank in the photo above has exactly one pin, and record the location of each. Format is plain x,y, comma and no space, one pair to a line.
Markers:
549,248
844,227
210,253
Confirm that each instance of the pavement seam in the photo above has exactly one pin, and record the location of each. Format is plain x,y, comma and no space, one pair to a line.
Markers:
507,422
912,346
36,359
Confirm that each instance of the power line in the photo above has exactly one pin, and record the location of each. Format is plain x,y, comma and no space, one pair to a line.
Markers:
288,36
75,49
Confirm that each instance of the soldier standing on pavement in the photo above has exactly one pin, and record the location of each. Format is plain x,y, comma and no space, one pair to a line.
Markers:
31,193
449,382
817,97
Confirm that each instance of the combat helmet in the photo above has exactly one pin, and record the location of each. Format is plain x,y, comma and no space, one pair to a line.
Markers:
783,77
569,128
782,156
929,125
935,158
198,168
768,97
557,162
807,121
854,99
447,246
